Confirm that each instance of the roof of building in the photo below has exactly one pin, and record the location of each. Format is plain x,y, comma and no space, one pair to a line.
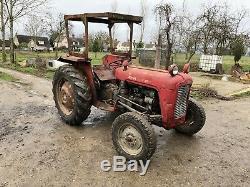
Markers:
27,39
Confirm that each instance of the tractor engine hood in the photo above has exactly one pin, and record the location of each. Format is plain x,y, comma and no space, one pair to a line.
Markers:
154,78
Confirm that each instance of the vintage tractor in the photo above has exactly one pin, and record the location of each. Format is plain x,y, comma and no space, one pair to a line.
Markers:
145,96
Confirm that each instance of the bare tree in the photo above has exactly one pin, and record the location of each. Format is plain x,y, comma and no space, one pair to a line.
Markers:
158,52
144,10
36,25
158,45
219,27
165,13
188,34
56,30
3,24
17,9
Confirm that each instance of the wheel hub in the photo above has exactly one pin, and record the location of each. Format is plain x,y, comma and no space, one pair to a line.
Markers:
66,98
130,140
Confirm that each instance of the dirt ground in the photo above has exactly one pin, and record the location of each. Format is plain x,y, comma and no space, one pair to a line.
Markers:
37,149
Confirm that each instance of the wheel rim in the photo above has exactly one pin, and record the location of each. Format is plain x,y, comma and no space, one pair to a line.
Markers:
130,139
66,97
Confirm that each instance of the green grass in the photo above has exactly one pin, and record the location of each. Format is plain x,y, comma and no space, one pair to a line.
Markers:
243,94
30,70
96,58
21,56
24,55
7,77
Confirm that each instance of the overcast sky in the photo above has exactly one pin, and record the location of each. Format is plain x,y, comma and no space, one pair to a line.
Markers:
131,7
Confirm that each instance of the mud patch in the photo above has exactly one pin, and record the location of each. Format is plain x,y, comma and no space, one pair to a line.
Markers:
18,119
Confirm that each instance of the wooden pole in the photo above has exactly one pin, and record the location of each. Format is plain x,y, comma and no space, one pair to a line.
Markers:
131,25
111,38
67,35
86,53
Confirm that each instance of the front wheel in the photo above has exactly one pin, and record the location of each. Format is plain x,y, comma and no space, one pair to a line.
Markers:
133,137
195,119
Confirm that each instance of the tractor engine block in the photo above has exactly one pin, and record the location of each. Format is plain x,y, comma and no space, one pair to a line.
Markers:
138,97
108,91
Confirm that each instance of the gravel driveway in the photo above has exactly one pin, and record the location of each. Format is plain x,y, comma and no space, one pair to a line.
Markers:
37,149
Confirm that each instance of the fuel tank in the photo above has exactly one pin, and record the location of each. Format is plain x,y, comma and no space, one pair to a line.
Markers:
154,78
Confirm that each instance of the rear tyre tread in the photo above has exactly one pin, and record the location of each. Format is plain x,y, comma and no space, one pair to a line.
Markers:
81,90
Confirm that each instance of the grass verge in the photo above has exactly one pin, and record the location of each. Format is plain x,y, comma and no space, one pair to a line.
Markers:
241,95
41,72
7,77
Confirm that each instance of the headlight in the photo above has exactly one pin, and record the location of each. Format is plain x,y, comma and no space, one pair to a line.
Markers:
173,69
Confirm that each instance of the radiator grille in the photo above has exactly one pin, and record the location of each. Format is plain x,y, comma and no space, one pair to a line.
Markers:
181,102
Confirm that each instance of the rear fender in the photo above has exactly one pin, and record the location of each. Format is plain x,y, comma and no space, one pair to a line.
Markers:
86,69
84,65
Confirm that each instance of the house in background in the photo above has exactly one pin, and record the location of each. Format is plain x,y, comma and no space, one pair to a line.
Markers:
124,46
32,43
150,46
7,44
63,42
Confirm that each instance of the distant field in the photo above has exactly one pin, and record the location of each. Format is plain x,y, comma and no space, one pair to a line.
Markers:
179,59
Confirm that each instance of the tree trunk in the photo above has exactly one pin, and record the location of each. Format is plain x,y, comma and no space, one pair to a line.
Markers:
56,53
158,57
169,48
56,48
168,55
168,59
3,34
190,57
12,50
158,53
186,55
205,49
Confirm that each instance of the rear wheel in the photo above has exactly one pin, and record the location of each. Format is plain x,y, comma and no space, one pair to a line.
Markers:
133,137
195,119
72,95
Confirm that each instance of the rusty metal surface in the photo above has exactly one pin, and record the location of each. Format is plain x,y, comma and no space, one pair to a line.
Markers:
103,73
107,18
66,98
104,106
72,58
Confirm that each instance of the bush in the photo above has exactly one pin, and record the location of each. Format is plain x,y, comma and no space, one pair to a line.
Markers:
238,49
23,46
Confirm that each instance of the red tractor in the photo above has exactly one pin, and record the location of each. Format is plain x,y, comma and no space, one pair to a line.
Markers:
145,96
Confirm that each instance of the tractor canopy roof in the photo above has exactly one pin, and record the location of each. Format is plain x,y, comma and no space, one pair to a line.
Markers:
106,18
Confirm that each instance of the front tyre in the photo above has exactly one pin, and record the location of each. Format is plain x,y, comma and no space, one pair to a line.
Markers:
72,95
133,137
195,119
